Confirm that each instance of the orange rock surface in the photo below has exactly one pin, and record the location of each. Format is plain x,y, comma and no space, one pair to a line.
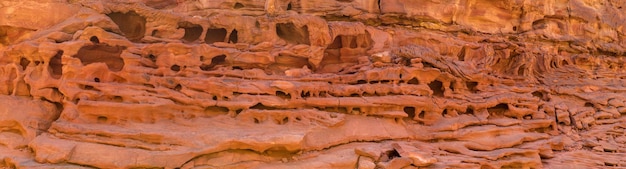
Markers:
312,84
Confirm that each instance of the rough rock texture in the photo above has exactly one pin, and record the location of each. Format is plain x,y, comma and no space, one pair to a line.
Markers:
312,84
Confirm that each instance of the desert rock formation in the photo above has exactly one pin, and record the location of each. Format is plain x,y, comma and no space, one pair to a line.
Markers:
312,84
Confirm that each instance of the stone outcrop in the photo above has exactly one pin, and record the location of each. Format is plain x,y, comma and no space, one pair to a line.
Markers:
312,84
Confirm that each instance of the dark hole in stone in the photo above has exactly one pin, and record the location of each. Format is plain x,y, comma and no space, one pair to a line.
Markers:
353,43
102,53
118,99
410,111
24,63
217,60
292,34
237,68
260,106
175,68
192,31
361,82
152,58
298,119
469,111
337,44
389,155
178,87
96,79
283,95
428,65
215,35
256,121
528,117
444,113
94,39
413,81
500,108
289,6
205,67
461,54
233,36
514,28
538,94
216,109
102,119
238,5
132,25
238,111
588,104
56,66
305,94
422,114
285,120
521,70
88,87
452,86
471,86
220,59
437,87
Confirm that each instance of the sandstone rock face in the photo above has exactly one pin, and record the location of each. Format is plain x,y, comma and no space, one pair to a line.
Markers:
312,84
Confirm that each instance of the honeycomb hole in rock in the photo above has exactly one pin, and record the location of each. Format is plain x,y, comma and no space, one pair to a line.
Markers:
217,60
212,111
521,71
471,86
283,95
102,119
410,111
389,155
175,68
588,104
284,62
413,81
498,109
24,63
281,120
292,34
289,6
94,39
305,94
233,37
152,57
238,6
437,87
131,24
96,79
102,53
215,35
334,59
260,106
540,95
192,31
56,66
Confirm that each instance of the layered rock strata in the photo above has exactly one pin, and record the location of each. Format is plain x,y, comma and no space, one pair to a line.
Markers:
312,84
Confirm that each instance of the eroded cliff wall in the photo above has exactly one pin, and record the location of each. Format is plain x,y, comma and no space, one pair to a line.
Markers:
312,84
